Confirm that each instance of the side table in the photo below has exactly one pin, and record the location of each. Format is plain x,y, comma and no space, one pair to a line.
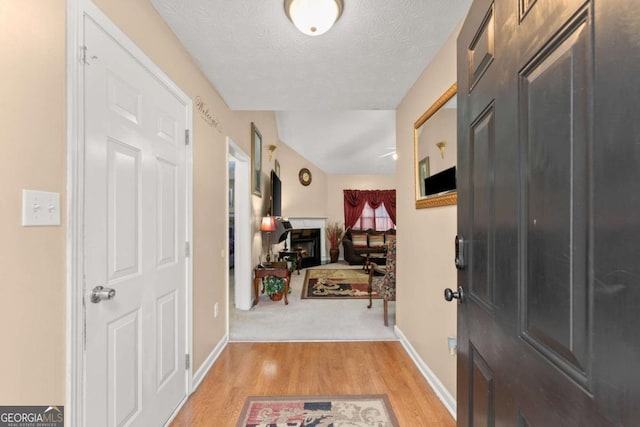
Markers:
376,257
261,272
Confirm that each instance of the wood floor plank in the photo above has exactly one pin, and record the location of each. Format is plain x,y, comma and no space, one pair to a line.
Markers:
313,368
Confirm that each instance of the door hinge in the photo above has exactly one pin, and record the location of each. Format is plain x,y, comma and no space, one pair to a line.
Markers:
83,56
186,137
187,361
187,249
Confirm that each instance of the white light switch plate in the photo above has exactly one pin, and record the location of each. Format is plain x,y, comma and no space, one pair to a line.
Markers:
40,208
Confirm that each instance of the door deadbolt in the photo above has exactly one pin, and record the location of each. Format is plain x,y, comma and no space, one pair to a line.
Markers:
459,254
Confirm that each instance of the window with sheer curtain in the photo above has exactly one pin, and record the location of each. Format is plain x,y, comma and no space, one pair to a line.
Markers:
375,219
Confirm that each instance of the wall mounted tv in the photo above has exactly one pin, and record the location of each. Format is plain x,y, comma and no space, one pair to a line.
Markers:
276,195
440,182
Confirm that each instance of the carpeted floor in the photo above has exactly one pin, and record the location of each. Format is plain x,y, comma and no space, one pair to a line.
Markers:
328,283
373,410
311,320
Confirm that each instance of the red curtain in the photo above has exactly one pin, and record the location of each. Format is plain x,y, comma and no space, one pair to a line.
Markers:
353,205
354,201
388,198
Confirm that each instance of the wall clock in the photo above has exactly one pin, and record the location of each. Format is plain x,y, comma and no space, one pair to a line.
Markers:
304,176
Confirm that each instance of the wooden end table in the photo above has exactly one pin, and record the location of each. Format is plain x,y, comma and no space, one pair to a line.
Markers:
366,259
261,272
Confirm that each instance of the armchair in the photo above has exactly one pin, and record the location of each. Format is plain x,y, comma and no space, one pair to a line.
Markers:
383,280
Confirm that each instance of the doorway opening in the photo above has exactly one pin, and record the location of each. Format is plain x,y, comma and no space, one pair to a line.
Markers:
239,225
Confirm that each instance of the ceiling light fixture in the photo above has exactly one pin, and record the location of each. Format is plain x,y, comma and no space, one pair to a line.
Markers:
313,17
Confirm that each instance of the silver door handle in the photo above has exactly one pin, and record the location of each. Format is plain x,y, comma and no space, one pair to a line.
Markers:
100,293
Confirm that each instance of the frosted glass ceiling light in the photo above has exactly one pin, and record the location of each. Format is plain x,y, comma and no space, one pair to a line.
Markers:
313,17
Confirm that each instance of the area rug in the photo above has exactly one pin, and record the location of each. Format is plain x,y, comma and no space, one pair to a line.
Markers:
317,411
343,283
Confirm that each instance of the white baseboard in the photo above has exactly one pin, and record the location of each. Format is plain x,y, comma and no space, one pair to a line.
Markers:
200,374
443,394
208,363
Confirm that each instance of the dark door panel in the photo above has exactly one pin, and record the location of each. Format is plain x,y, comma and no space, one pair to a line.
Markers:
482,149
555,122
549,205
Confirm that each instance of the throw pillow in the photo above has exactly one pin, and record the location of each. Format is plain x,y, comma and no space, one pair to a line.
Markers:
359,240
389,238
376,240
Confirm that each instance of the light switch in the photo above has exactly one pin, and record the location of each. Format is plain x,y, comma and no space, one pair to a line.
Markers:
40,208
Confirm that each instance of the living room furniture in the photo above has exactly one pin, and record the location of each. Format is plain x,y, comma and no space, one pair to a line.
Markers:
276,270
358,242
377,258
382,280
293,253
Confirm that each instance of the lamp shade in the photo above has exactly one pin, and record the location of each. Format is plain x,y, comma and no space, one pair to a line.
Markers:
313,17
268,224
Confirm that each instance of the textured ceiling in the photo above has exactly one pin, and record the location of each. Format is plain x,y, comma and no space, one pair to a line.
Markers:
258,60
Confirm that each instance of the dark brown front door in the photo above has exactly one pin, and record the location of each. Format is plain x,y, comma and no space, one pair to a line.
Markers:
549,213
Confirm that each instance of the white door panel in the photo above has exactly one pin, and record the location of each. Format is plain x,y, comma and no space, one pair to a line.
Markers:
135,231
124,368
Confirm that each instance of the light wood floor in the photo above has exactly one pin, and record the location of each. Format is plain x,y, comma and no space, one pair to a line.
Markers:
314,368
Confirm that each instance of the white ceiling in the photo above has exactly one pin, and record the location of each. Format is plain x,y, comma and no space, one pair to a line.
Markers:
334,94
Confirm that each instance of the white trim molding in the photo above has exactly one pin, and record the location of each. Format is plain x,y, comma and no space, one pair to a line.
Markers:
443,394
309,222
208,363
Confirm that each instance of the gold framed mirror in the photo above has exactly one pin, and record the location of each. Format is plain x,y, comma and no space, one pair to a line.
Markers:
435,150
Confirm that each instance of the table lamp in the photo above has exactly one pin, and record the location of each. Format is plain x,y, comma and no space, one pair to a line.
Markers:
268,225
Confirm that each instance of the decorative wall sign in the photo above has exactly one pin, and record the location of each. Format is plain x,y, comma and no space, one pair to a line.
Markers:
203,109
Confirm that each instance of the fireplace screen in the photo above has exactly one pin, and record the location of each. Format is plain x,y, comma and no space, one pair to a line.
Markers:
307,240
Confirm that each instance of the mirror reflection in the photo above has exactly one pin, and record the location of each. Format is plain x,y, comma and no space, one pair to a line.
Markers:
435,152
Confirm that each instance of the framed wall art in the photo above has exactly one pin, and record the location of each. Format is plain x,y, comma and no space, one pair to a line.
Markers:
256,160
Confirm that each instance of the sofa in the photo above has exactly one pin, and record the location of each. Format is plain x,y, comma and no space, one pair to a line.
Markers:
359,242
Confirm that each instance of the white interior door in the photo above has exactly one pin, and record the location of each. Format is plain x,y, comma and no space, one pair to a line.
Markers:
135,232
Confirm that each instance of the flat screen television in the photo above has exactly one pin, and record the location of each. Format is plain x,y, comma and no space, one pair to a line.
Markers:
440,182
276,195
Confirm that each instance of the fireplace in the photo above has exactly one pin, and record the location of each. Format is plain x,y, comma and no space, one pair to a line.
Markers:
307,240
310,223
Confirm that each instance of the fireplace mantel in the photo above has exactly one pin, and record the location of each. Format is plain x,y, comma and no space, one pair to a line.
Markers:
313,222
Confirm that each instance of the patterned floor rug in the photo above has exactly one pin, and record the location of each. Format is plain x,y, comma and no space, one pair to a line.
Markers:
317,411
336,284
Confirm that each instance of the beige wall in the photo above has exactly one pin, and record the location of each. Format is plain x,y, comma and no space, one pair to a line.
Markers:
299,200
425,236
32,149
